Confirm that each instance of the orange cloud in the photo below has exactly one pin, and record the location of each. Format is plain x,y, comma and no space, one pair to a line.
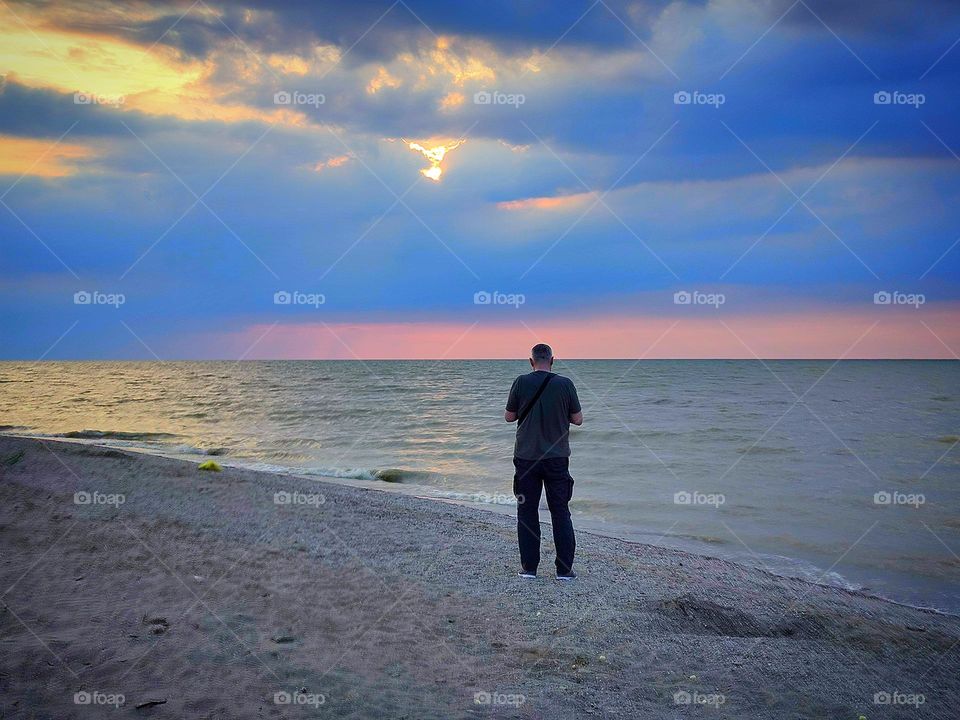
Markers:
289,64
446,66
557,202
156,80
333,162
383,79
442,60
451,100
41,158
70,62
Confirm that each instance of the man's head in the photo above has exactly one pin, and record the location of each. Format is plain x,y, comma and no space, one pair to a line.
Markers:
541,357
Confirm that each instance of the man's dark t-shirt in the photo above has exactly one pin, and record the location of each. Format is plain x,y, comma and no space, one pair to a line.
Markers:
545,432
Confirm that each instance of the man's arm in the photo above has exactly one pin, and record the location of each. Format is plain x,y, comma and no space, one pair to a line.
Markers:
576,412
513,403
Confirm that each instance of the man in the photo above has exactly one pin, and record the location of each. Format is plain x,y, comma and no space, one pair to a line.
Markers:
544,404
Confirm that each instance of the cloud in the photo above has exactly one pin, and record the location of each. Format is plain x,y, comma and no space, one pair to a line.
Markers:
557,202
862,18
333,162
26,156
383,79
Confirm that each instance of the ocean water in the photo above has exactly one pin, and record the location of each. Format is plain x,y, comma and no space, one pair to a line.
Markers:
843,473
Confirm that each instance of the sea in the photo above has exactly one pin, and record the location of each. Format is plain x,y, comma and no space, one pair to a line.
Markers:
844,473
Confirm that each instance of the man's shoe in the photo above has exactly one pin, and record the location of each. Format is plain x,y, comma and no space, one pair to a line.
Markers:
566,577
527,575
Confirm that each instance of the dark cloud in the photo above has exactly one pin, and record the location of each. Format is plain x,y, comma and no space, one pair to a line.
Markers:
380,29
372,29
32,112
860,18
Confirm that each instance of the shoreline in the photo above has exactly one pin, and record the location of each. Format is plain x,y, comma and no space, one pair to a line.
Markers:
391,603
393,488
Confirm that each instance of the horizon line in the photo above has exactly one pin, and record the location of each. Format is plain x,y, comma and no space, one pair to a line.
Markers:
481,359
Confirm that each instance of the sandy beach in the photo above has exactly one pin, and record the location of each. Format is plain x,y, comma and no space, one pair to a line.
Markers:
144,584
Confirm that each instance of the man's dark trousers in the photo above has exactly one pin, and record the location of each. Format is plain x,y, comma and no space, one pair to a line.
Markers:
530,477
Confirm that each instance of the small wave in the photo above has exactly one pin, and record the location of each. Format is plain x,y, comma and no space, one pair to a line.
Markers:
709,539
762,450
330,472
113,435
8,428
387,475
794,567
192,450
399,475
139,442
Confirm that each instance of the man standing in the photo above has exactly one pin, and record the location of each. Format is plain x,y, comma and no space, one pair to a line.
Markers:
544,405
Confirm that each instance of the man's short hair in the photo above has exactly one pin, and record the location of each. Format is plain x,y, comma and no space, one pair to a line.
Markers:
541,353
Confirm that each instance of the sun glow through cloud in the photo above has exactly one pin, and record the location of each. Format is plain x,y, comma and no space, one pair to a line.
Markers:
434,156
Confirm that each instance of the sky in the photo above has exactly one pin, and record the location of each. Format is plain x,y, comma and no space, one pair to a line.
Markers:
427,179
